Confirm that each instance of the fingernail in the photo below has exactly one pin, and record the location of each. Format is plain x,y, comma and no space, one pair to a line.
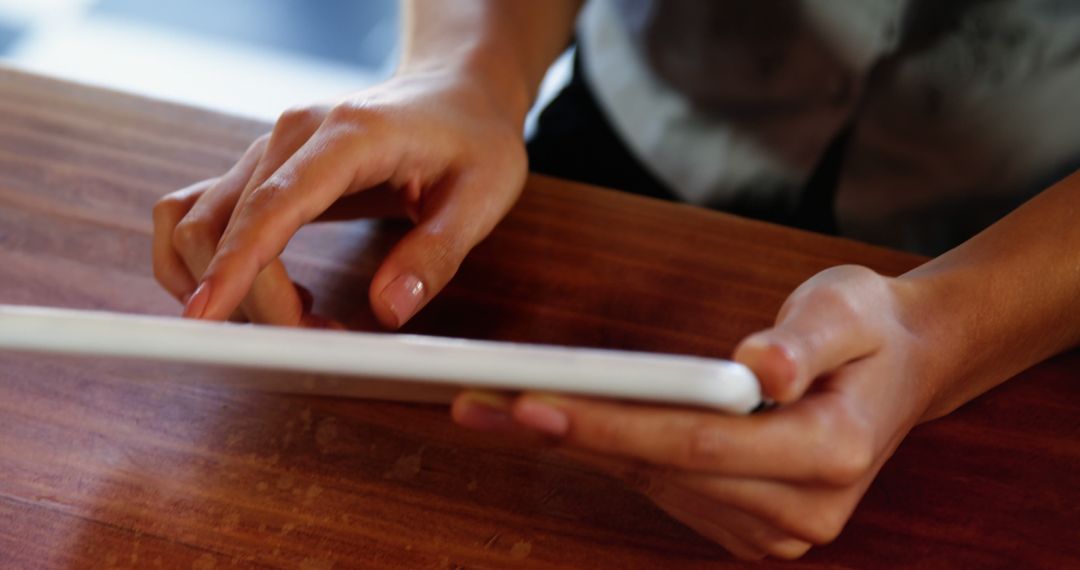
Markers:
196,305
403,297
483,411
542,416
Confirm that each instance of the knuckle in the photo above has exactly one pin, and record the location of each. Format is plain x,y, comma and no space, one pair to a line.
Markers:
838,290
301,117
608,433
845,465
259,145
166,206
173,206
824,526
269,208
443,249
165,209
849,456
791,549
702,448
356,113
850,463
170,208
812,522
838,299
441,241
193,235
268,193
852,273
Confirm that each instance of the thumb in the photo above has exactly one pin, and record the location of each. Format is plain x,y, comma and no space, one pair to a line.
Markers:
451,222
823,326
418,267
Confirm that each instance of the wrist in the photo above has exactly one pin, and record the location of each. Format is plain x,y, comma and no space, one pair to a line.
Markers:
508,93
958,351
928,347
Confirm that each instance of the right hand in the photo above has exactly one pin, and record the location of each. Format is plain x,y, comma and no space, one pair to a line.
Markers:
433,146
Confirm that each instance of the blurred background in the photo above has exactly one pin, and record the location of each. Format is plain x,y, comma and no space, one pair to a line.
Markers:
246,57
252,58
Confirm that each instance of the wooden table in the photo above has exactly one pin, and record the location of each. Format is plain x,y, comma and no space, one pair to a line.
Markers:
100,467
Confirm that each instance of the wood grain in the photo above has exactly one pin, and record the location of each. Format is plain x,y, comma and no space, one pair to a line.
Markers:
104,465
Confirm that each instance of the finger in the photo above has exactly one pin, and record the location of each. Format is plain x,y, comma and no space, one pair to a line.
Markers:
800,515
291,132
196,235
821,439
272,298
456,215
268,216
822,326
489,411
715,526
457,212
696,505
169,268
745,536
803,513
483,410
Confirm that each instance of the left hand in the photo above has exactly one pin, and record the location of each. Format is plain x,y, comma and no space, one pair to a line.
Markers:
848,371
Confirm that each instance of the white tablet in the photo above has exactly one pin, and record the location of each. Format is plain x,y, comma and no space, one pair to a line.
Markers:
356,358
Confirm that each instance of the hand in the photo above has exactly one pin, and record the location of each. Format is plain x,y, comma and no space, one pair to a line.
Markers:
433,146
848,375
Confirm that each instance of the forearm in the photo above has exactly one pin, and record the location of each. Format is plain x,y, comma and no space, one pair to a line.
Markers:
1001,302
507,45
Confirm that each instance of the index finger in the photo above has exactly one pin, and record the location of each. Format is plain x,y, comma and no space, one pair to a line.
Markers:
306,185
